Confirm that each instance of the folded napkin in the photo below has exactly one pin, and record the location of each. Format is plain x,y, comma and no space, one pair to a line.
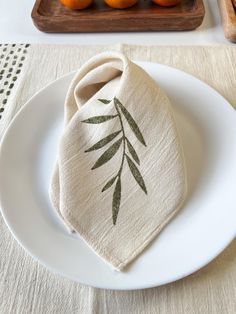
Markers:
120,175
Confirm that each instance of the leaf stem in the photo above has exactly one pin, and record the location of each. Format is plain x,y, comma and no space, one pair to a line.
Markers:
124,139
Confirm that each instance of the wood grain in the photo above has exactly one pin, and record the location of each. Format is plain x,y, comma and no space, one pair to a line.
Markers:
52,16
228,15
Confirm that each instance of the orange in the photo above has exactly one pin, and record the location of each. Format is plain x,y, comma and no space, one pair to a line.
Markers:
76,4
167,3
121,4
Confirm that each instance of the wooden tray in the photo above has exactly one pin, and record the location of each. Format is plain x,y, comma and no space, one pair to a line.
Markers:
228,14
52,16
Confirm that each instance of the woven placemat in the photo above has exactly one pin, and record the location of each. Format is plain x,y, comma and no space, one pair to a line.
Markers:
26,286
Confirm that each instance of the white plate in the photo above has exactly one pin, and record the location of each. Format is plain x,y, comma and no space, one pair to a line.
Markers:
206,225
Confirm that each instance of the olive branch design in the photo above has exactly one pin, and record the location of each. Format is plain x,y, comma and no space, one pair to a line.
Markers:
132,160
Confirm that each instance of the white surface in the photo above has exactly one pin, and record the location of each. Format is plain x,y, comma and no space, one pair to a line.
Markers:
16,27
207,223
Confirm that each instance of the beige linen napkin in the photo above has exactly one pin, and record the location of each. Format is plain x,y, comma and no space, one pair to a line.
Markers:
120,173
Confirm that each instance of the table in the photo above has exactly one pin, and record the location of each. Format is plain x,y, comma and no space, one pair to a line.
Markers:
25,285
16,26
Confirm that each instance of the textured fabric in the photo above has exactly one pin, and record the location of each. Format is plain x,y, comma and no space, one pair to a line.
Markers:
119,135
27,287
12,60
